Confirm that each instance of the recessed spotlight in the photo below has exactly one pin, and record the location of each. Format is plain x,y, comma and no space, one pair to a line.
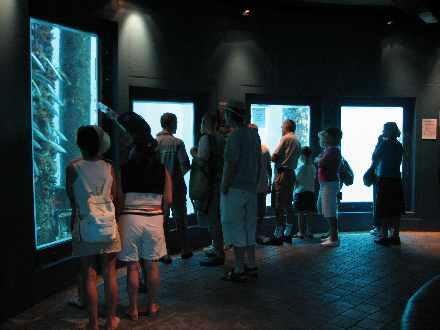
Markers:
390,22
246,12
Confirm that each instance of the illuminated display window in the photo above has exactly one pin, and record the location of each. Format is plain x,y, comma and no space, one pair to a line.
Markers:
361,127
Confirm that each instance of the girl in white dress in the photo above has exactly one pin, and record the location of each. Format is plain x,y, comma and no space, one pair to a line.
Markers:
85,177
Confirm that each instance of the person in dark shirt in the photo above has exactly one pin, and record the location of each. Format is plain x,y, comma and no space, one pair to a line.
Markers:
390,205
147,189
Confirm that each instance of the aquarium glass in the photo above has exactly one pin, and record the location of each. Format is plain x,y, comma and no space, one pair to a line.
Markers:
269,119
361,127
151,111
64,88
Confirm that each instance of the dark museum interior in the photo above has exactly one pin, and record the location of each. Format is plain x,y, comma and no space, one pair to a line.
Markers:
329,91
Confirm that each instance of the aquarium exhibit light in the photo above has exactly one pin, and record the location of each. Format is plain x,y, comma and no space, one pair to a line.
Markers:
428,17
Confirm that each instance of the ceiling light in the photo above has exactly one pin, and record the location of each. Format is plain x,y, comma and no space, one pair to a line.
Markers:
246,12
390,22
428,17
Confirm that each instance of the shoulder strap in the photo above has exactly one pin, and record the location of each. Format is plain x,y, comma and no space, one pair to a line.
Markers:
108,180
82,178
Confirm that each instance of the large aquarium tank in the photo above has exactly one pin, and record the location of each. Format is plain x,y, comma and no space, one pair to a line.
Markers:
64,73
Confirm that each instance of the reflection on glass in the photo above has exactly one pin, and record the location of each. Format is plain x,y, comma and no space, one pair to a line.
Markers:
361,127
269,119
151,111
64,96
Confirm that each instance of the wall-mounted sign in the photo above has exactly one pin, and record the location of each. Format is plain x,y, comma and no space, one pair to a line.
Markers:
429,129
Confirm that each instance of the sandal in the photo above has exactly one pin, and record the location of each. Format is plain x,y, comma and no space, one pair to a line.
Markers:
251,271
153,315
232,276
115,324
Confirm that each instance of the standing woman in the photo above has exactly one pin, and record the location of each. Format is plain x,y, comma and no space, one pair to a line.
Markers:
147,189
86,177
390,205
329,162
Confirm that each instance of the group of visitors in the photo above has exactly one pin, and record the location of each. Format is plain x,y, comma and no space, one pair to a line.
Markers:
126,218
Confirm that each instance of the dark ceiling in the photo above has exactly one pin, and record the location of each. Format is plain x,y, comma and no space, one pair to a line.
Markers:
108,8
353,2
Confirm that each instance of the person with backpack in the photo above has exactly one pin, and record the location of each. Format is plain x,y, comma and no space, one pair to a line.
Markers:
329,163
91,187
263,189
210,154
147,188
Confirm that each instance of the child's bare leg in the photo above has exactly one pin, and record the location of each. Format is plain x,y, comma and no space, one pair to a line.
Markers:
133,288
153,283
111,289
88,269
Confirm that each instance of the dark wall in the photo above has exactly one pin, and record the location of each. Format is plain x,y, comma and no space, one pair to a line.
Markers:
16,165
330,55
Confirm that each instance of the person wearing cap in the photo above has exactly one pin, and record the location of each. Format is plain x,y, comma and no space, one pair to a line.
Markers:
92,175
238,202
285,158
175,159
329,163
390,205
147,188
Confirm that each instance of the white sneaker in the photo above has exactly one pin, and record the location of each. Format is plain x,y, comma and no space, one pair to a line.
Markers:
209,251
330,243
374,231
263,239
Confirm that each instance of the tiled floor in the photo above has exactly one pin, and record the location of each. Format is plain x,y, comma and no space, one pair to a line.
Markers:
358,285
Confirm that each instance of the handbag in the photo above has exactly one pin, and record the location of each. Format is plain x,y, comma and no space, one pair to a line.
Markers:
97,220
346,173
199,180
370,177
